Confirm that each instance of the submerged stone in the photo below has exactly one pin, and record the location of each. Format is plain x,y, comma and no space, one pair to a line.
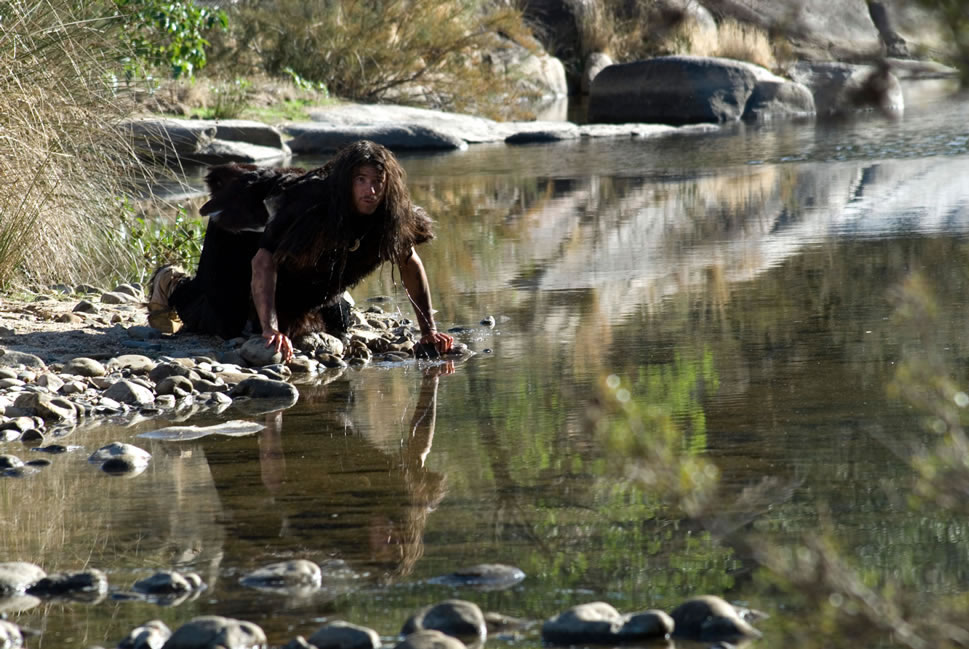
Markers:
484,576
298,574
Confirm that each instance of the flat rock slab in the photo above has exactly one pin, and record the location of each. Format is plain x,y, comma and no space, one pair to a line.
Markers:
317,138
484,576
234,428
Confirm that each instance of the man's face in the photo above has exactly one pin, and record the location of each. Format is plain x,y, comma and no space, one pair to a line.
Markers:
368,189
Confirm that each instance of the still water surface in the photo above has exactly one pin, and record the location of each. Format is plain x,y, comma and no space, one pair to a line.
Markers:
747,283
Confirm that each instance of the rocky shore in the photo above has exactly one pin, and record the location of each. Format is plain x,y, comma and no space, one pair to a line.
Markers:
67,359
449,624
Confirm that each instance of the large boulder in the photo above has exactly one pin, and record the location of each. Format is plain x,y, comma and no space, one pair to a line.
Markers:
694,89
167,141
672,90
815,28
321,138
177,141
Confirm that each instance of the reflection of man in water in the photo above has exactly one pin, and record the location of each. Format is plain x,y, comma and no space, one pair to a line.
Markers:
332,494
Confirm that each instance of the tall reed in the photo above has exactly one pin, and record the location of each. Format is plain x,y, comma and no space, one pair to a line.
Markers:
63,165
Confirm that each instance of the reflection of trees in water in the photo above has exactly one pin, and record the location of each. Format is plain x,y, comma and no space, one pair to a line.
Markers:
325,490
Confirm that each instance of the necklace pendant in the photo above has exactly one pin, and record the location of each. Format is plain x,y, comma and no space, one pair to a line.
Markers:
356,244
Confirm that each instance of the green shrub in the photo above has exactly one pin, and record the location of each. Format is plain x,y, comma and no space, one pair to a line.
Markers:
166,34
159,241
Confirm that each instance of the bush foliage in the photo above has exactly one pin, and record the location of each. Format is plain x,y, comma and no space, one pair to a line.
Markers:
431,52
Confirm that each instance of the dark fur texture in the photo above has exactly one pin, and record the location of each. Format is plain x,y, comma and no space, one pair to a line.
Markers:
314,259
216,301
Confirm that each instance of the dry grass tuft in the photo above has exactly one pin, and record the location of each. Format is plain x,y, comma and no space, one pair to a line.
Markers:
63,166
744,42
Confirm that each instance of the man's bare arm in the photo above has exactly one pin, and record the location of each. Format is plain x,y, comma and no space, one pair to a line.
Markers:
418,290
264,298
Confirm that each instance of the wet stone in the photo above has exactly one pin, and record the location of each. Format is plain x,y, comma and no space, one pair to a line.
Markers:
260,387
175,385
343,635
118,457
31,436
39,462
710,619
46,406
454,617
646,625
18,576
164,370
256,354
484,576
150,635
594,622
214,631
164,583
53,449
86,585
429,640
298,573
10,462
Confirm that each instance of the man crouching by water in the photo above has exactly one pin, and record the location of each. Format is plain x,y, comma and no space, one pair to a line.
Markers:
327,230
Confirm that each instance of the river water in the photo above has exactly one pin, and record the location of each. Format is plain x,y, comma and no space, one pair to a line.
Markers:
748,292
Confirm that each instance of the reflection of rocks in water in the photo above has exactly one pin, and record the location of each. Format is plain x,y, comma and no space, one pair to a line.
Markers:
429,639
345,635
87,586
167,588
10,635
17,576
119,458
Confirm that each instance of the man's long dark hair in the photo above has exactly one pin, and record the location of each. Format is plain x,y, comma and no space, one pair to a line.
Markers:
329,224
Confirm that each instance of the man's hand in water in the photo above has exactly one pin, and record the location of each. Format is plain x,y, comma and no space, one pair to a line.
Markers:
280,342
441,342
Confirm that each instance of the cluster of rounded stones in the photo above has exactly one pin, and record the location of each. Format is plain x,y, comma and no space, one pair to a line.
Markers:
450,624
41,403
